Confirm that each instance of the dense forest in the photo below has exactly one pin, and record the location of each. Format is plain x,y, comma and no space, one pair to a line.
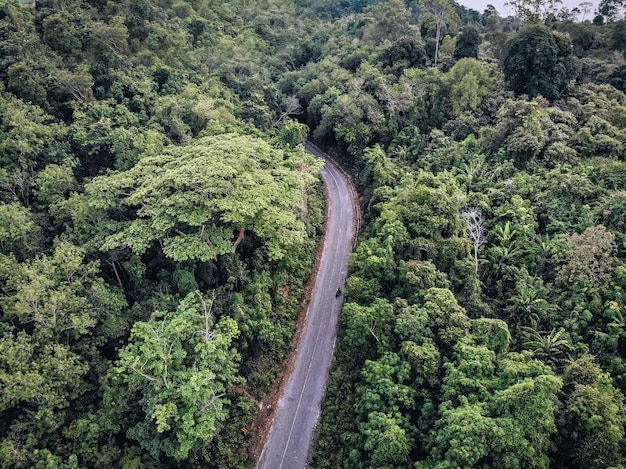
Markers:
159,219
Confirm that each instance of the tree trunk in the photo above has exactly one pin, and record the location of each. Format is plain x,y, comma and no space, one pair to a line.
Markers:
438,35
239,239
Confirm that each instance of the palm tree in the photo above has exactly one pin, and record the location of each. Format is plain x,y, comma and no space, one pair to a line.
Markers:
551,347
505,234
529,306
500,272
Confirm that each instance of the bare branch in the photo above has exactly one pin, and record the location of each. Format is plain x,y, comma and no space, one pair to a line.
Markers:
117,275
239,239
77,84
371,329
474,223
293,108
207,308
212,402
148,377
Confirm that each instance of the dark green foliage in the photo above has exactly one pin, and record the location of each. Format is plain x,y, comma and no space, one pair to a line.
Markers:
546,173
405,52
610,8
467,43
619,36
582,39
618,78
94,88
538,61
593,418
180,365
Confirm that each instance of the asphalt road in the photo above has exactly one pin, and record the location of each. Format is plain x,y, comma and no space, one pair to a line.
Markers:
291,434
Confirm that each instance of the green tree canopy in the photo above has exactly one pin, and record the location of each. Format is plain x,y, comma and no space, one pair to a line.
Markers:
467,43
538,61
497,412
199,201
182,364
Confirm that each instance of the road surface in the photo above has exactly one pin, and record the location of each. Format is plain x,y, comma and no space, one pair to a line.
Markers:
291,434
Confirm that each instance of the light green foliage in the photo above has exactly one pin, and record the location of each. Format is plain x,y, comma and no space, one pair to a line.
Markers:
49,357
54,182
471,376
386,391
566,201
601,110
96,130
387,21
292,134
499,410
111,37
387,442
19,233
376,257
182,365
530,305
420,276
444,19
58,297
197,200
351,116
551,347
379,167
29,138
85,224
494,333
367,326
446,318
76,83
466,437
613,210
428,205
528,130
168,105
39,377
470,84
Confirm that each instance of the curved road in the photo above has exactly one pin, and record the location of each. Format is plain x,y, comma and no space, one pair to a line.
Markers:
291,434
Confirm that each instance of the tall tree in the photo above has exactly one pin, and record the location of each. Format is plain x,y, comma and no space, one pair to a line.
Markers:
592,418
498,407
590,257
538,61
199,201
181,363
610,8
467,43
57,317
474,222
534,10
443,13
470,84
